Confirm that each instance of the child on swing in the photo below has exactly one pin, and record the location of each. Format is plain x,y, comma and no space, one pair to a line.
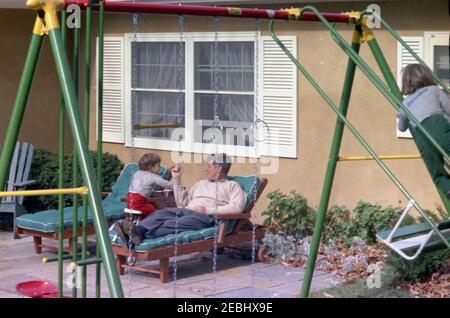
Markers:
430,106
144,184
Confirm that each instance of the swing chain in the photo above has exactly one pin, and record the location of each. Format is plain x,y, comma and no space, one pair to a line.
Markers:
254,126
179,120
180,68
217,124
255,147
135,26
131,260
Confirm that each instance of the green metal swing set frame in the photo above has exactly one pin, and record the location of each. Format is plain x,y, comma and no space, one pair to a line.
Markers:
47,24
361,33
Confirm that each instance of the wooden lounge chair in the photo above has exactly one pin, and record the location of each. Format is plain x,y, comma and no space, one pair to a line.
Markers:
44,224
12,207
233,229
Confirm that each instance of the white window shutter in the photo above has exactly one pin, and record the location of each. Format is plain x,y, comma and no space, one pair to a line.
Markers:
278,97
113,89
403,59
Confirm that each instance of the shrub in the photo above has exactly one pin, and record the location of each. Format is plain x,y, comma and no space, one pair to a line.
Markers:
337,225
437,216
289,215
44,170
368,219
420,268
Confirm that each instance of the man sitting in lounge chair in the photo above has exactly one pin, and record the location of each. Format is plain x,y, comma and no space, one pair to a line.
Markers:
196,207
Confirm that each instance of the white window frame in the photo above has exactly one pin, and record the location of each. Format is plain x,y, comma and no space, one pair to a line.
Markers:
188,145
432,39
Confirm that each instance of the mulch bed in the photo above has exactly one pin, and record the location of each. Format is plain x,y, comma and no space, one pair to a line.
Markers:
437,286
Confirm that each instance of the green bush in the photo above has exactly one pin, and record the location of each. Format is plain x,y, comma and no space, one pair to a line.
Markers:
420,268
289,215
437,216
44,170
337,223
368,219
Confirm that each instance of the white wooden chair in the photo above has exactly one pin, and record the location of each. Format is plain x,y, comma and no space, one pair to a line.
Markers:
12,207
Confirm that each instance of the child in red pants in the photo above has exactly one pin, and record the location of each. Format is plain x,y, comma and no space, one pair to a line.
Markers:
145,181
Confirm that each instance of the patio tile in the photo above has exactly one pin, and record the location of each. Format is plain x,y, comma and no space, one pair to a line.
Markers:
8,284
4,294
318,283
251,292
280,273
162,293
194,275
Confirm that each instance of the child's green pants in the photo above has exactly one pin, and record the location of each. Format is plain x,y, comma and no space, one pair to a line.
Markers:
439,128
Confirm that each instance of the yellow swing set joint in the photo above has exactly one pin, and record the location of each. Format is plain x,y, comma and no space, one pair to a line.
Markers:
294,13
39,28
354,16
357,18
49,8
367,34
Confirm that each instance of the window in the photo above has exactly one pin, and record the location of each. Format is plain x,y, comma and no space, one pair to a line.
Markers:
158,87
437,54
235,79
146,82
163,88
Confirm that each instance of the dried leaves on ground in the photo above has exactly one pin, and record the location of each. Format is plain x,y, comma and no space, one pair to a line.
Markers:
360,260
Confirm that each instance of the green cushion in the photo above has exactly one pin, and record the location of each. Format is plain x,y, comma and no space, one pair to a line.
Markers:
47,221
250,185
183,238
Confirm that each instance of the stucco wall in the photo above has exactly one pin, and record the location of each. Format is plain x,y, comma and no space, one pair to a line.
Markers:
41,120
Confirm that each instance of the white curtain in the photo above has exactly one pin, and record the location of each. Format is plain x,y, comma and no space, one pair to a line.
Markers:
235,67
156,66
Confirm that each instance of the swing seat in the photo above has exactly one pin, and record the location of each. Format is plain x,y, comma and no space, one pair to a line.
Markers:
412,240
232,229
44,224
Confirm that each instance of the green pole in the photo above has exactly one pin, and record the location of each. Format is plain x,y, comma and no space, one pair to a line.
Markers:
101,28
87,91
76,65
61,173
86,129
329,176
384,67
392,84
87,169
89,262
101,42
20,104
52,259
